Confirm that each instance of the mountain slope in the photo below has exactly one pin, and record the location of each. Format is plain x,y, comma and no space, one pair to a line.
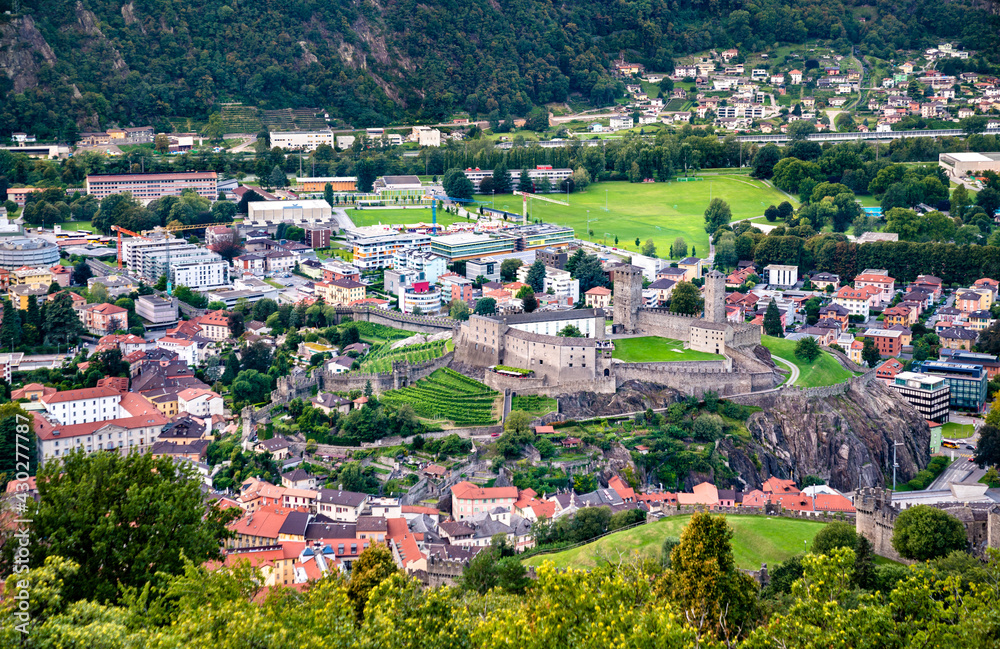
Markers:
372,62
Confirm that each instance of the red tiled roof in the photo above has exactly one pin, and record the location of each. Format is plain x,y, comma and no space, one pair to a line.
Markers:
83,393
470,491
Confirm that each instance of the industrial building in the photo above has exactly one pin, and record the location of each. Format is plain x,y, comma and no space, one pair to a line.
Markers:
963,163
309,211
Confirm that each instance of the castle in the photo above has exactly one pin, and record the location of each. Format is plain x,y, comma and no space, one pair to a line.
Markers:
530,341
876,520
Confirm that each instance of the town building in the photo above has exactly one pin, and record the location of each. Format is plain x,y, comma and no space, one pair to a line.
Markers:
18,252
598,297
375,248
929,394
468,500
966,382
148,187
337,183
878,279
469,245
102,319
419,295
341,291
886,341
318,237
263,213
782,274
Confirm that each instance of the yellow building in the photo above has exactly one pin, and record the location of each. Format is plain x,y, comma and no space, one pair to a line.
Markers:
19,294
29,276
165,401
341,291
692,267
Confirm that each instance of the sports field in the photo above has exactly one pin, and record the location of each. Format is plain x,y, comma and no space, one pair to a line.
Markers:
658,211
825,370
653,349
756,540
951,430
365,217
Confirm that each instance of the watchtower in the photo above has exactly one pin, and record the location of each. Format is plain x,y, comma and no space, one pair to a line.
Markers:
715,297
628,296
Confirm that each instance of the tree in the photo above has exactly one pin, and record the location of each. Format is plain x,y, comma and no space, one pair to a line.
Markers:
123,507
365,172
256,356
686,299
18,452
518,421
581,179
975,124
679,249
869,353
232,369
923,533
764,161
502,182
570,331
959,201
508,269
771,213
485,306
988,447
328,194
834,535
215,128
161,143
373,566
807,349
251,387
725,251
988,199
236,324
459,310
10,328
524,183
277,178
772,320
81,273
585,483
785,210
528,300
536,277
717,215
649,248
704,582
589,272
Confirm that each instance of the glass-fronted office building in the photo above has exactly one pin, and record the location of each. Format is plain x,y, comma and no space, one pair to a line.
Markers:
967,383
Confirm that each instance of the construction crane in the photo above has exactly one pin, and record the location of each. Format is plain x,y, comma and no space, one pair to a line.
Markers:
434,198
120,230
526,195
158,230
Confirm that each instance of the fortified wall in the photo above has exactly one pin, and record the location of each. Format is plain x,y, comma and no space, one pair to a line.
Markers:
876,520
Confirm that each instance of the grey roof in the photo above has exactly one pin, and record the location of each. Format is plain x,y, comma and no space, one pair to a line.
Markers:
274,444
549,316
331,400
296,524
452,552
372,524
339,497
456,529
959,334
671,271
834,308
662,283
422,524
324,530
296,475
601,497
487,528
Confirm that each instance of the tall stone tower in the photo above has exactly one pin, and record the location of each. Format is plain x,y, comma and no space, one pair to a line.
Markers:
627,296
715,297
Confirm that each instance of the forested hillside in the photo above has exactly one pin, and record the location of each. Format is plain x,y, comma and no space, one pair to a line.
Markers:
82,64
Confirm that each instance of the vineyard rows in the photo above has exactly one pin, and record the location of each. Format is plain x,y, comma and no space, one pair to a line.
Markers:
382,359
448,395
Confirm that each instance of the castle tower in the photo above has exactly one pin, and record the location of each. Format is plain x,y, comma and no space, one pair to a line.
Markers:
627,296
715,297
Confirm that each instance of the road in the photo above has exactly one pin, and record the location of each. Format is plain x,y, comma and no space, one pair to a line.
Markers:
795,370
344,222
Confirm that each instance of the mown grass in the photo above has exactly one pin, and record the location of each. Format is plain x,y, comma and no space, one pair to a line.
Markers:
653,349
825,370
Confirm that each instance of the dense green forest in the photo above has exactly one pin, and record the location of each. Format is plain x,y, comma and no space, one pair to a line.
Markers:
402,60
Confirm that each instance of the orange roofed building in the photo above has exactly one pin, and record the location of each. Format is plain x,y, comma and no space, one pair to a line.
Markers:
467,499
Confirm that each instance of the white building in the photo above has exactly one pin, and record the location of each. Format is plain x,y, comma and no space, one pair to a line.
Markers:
420,261
560,282
186,350
422,295
425,136
71,407
308,211
621,123
782,275
199,402
376,248
302,140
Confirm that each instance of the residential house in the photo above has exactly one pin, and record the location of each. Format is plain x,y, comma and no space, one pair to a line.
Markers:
663,288
468,499
598,297
823,280
340,505
101,319
857,301
835,312
879,279
898,315
200,402
955,338
886,341
887,371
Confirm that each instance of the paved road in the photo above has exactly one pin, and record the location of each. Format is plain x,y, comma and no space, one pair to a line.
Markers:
795,370
343,221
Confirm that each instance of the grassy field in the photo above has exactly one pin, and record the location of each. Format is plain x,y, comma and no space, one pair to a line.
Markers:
824,371
652,349
756,540
951,430
76,225
370,216
658,211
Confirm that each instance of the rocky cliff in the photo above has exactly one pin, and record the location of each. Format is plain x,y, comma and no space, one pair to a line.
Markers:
847,440
23,50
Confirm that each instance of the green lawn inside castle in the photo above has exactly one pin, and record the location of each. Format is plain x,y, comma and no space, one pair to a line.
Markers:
655,349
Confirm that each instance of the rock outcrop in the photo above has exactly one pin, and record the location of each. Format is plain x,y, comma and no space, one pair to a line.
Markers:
23,51
846,440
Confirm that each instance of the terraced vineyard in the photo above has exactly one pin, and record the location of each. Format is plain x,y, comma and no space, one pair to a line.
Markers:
381,360
534,404
237,118
450,396
376,333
